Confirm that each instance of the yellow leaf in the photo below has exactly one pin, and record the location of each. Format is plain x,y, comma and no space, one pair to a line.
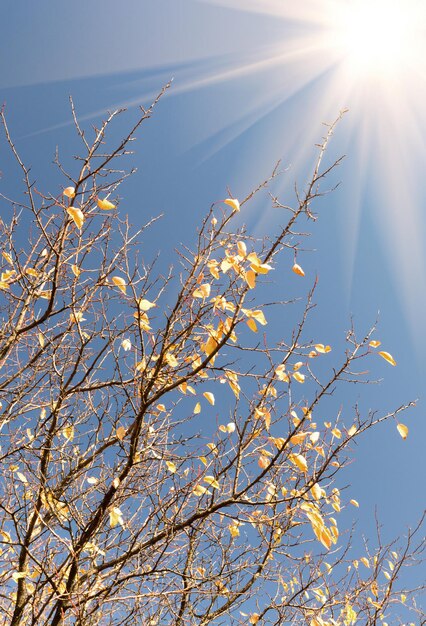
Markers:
21,477
337,433
354,503
297,366
197,408
126,344
254,618
352,430
250,279
209,397
365,562
105,205
316,491
230,427
76,270
69,192
8,258
403,430
233,203
145,305
68,432
259,317
199,490
120,433
211,480
263,461
171,467
252,325
41,340
299,377
115,517
17,575
120,283
375,344
242,248
234,530
203,291
299,461
76,215
387,357
298,270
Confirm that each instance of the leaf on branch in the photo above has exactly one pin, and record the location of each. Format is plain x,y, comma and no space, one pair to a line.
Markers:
68,433
299,461
197,408
145,305
171,467
322,349
252,325
105,205
199,491
76,270
120,433
375,343
299,377
387,357
250,278
203,291
76,215
8,258
126,344
211,480
298,270
209,397
69,192
233,203
403,430
116,517
120,283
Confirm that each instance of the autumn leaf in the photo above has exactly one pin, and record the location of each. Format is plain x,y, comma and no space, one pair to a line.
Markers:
252,325
203,291
211,480
105,205
387,357
375,344
251,279
403,430
120,283
76,215
209,397
199,491
120,433
145,305
116,517
233,203
299,377
171,467
299,461
126,344
298,270
69,192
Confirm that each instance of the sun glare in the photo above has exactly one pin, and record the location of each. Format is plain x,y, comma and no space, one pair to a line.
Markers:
379,37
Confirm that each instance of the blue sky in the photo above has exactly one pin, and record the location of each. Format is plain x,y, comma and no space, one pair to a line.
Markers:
250,87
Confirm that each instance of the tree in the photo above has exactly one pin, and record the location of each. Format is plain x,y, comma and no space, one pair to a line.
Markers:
116,508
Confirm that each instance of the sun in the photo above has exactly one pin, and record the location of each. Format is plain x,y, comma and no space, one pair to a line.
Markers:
378,38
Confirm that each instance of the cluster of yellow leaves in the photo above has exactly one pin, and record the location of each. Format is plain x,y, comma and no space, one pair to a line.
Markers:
327,536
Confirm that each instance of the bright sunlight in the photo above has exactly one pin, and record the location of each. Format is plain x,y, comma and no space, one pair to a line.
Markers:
378,37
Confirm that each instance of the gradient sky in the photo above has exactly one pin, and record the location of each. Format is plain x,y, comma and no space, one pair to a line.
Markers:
253,82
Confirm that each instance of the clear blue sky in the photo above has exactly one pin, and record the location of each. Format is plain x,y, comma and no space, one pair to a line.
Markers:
252,86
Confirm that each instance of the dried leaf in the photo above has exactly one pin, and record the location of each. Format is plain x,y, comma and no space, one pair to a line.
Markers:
375,344
116,517
76,215
120,433
69,192
171,467
209,397
403,430
299,461
251,279
211,480
387,357
105,205
203,291
120,283
252,325
126,344
233,203
197,408
298,270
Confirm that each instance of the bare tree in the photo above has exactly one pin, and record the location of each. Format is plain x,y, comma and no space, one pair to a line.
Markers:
116,507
